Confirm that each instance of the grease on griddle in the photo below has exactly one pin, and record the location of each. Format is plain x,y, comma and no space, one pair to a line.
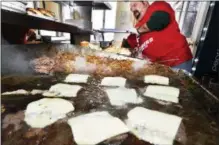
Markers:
117,140
91,97
55,134
13,119
58,134
197,123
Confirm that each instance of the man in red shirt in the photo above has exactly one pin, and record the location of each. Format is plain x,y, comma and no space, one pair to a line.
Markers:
159,38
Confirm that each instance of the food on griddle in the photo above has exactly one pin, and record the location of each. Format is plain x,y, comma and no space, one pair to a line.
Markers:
98,63
87,44
115,56
125,51
44,112
165,93
94,128
153,126
76,78
17,92
36,92
63,90
156,79
113,81
121,96
46,65
84,43
94,47
92,97
114,49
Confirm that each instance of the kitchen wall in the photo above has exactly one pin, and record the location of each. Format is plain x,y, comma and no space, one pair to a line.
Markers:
110,22
124,21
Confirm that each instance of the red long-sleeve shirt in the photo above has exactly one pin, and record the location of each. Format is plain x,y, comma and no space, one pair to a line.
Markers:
167,46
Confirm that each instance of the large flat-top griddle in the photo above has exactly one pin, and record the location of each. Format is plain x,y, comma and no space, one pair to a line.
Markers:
197,107
199,125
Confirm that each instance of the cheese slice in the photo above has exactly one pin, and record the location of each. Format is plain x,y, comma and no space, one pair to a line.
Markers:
153,126
113,81
93,128
63,90
51,94
164,93
76,78
121,96
36,91
44,112
17,92
156,79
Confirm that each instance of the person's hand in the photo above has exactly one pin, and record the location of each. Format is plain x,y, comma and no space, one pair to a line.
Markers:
134,52
125,44
43,65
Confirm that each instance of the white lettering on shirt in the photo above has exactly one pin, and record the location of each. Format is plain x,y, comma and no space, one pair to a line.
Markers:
145,44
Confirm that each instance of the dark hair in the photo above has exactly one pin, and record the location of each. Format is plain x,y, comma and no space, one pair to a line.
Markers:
143,2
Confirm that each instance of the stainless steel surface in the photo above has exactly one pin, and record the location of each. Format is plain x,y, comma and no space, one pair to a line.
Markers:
105,44
183,15
197,126
83,24
98,5
49,39
62,2
14,18
84,14
190,18
14,6
199,22
114,31
102,31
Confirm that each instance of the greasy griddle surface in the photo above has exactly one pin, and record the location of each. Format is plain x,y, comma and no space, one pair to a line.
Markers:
197,127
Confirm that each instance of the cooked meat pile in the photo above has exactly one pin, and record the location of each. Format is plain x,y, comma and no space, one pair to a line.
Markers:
73,62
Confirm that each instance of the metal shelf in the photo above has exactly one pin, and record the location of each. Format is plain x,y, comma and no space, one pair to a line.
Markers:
94,4
25,20
114,31
62,2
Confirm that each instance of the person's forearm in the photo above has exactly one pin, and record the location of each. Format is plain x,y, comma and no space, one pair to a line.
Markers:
143,29
158,21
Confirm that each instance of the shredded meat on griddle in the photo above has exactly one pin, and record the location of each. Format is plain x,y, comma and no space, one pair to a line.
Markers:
64,62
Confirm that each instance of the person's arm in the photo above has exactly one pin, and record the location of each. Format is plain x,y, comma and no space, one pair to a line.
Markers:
157,22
